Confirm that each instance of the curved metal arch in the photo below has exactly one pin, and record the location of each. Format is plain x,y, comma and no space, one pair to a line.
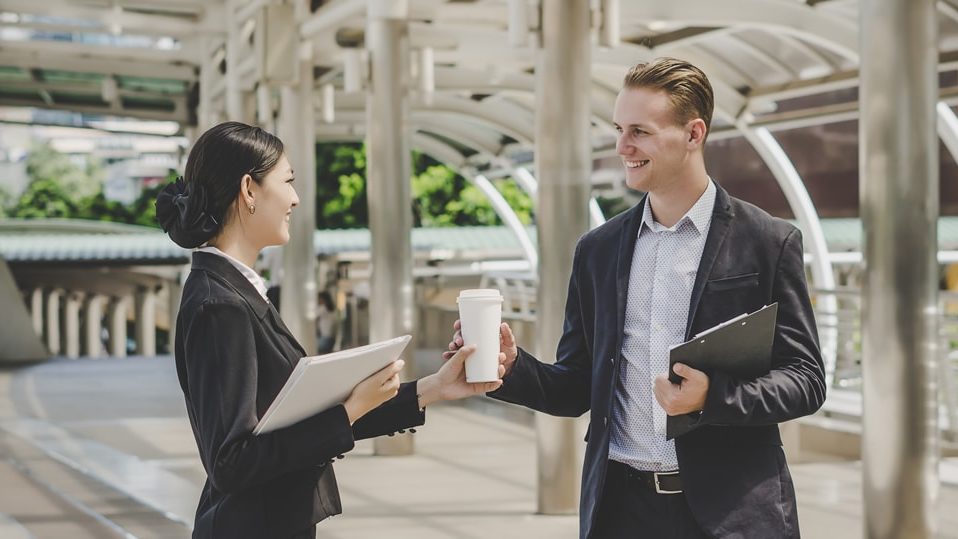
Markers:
477,80
437,149
948,128
792,185
488,142
727,98
794,18
516,124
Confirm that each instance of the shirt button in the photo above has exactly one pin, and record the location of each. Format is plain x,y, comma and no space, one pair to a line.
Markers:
605,421
612,360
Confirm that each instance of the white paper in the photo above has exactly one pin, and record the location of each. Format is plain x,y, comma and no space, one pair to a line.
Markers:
321,382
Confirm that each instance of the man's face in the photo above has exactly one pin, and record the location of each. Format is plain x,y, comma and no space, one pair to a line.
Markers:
654,148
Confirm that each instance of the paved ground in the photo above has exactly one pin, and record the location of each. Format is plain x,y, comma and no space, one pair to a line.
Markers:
102,449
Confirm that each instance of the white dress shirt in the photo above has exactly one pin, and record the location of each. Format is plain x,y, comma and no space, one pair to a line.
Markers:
254,278
664,265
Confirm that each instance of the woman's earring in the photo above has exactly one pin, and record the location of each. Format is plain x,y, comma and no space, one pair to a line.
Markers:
252,209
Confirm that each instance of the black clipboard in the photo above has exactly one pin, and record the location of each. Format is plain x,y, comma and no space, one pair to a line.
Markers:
740,347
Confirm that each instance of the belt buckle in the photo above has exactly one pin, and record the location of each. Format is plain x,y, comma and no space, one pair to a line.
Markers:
658,486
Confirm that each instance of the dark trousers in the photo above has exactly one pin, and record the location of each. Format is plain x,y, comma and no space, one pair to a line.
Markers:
632,509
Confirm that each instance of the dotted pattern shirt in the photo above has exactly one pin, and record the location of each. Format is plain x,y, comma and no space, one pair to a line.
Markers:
664,265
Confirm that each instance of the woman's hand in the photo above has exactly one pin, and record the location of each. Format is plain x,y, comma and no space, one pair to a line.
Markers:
373,391
449,382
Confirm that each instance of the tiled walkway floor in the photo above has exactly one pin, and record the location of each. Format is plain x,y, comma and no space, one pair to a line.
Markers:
102,449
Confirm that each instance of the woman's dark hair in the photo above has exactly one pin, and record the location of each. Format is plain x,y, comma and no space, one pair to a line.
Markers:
193,210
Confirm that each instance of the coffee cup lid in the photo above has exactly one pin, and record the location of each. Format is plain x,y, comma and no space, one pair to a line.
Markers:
480,294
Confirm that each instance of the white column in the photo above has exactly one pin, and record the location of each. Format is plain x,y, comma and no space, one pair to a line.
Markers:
388,163
93,325
298,292
53,321
563,166
234,94
146,321
118,317
71,325
36,310
899,167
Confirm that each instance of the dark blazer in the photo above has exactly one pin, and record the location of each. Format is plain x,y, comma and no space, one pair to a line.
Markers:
233,355
732,465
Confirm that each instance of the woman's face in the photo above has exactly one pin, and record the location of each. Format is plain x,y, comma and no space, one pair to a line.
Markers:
274,198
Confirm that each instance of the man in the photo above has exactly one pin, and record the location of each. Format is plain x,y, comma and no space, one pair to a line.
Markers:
686,258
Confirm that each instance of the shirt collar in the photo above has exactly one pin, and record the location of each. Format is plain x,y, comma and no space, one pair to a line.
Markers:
254,278
700,214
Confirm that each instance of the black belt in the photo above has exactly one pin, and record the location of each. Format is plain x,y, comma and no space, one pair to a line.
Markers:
660,482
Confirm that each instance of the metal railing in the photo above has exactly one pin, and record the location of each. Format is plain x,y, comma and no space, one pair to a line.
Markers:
843,324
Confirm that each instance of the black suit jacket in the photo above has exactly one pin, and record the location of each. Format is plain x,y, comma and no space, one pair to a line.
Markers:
733,468
233,355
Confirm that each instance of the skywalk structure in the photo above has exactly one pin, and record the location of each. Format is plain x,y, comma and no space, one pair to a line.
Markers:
484,85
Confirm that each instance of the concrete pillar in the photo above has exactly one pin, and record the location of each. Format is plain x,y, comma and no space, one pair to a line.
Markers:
898,155
53,321
119,308
93,325
146,321
298,292
234,93
71,323
388,166
204,112
36,310
563,166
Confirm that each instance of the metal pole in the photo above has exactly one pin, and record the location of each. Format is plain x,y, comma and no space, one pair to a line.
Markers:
298,292
563,166
388,165
234,94
899,201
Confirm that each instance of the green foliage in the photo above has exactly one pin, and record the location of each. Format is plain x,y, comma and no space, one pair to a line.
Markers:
42,198
341,186
44,163
440,197
4,201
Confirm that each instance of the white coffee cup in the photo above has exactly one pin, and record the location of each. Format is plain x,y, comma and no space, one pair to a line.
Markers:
480,314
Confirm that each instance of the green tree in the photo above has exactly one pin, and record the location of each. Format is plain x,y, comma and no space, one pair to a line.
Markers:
4,201
440,197
46,163
341,186
44,198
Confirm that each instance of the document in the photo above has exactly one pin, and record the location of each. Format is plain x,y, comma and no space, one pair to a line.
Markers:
740,347
321,382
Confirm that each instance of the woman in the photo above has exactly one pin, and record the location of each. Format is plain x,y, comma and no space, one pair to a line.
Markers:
233,352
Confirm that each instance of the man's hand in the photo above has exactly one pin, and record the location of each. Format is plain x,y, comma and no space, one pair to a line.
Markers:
685,397
508,350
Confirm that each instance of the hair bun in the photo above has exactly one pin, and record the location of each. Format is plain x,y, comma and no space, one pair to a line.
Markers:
181,211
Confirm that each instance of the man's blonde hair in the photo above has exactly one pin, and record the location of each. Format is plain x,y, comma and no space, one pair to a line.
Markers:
687,86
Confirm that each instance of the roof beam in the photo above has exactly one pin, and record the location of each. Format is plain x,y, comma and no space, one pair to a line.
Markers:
83,63
780,16
178,114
